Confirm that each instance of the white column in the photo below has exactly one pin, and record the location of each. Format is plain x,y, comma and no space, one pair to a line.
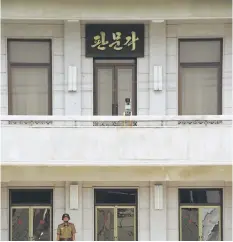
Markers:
4,231
88,214
144,214
227,211
72,57
75,215
158,218
157,56
58,207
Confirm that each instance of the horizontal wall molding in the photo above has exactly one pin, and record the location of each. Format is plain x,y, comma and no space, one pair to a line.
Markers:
151,10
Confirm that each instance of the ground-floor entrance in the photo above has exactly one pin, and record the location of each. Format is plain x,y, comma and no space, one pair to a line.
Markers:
116,214
31,215
200,214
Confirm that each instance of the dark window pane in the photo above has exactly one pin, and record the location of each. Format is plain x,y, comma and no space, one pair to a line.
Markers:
115,196
199,196
31,197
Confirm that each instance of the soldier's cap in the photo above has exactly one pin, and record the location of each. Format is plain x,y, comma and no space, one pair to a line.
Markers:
65,215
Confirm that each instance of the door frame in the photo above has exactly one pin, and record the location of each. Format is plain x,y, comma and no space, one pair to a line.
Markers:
114,66
30,219
115,210
24,188
136,188
200,207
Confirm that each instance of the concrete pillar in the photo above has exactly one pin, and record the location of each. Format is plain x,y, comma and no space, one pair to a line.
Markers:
72,57
144,214
158,218
75,215
58,207
157,56
4,213
227,212
88,214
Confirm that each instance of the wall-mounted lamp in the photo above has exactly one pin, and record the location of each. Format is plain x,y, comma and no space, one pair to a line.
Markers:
157,21
72,78
74,197
158,196
158,78
73,20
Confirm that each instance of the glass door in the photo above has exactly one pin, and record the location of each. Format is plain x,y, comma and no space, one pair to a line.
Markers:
113,83
200,223
126,223
20,224
105,91
41,223
125,87
104,223
31,223
115,223
211,226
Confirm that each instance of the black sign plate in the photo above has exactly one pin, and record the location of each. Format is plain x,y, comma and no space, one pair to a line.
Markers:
114,40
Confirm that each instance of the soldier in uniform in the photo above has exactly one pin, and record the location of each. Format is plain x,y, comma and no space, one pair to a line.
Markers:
66,231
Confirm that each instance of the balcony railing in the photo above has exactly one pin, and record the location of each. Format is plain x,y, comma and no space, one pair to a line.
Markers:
137,140
113,121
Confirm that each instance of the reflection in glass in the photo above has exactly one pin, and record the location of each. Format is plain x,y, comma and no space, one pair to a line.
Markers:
20,224
41,224
125,224
189,224
29,197
105,224
210,224
197,196
115,196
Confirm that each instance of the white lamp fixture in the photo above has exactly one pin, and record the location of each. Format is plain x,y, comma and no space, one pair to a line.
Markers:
158,196
72,78
74,197
158,78
157,21
73,20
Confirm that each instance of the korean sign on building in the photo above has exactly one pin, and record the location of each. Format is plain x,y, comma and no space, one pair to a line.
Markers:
115,40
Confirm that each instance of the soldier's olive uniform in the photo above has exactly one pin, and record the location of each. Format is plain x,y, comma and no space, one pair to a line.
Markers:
66,231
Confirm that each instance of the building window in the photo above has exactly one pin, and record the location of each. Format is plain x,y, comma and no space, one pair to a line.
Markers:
200,214
200,77
29,77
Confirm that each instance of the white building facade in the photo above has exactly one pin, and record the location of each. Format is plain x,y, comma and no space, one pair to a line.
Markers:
163,173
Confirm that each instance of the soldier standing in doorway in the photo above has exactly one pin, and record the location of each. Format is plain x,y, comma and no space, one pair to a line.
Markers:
66,231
